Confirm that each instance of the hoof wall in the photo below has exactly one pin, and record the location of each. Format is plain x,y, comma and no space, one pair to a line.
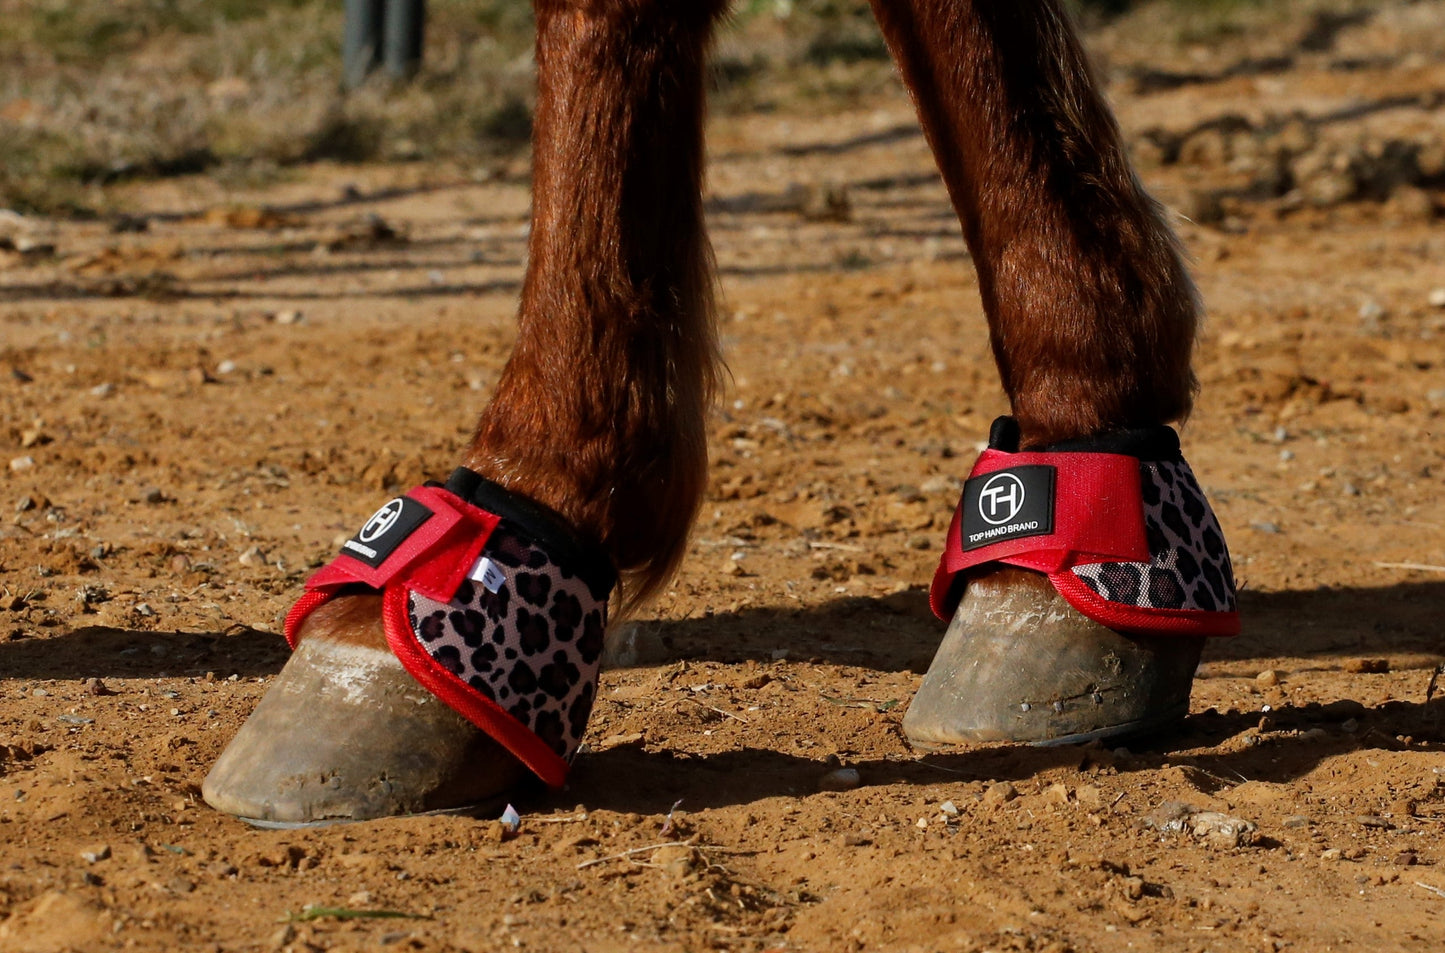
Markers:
344,733
1018,663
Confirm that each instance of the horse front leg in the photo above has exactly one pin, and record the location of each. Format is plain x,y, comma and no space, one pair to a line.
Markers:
1084,566
439,662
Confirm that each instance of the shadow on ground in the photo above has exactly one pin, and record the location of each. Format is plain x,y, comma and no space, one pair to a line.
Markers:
631,778
889,633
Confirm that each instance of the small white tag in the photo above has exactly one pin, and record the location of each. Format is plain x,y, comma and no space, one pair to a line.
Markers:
488,573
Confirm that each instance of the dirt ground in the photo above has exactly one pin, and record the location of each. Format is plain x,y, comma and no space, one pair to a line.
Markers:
194,414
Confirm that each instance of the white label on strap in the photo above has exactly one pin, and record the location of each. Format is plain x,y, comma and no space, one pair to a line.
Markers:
488,573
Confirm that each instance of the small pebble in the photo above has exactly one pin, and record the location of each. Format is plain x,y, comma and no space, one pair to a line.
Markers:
1437,298
1296,820
1367,666
1406,858
289,317
95,854
252,557
855,840
840,779
102,390
1334,853
948,808
1000,792
1373,820
1268,677
20,464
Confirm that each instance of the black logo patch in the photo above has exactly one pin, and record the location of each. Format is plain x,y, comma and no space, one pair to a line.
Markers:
387,529
1008,504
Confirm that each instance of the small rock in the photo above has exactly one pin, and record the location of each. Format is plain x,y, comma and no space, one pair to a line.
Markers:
1000,792
226,367
94,686
1437,298
1268,677
840,779
1218,829
1406,858
1296,821
855,840
102,390
1371,312
1367,666
1403,808
34,437
1408,203
95,854
731,567
289,317
155,496
1334,853
1373,820
144,610
252,557
1058,794
20,464
283,936
948,809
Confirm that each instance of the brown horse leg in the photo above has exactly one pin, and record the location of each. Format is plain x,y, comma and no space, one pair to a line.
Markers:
1092,318
599,413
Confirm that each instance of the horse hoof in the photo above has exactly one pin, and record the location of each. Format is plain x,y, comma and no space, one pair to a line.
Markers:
345,733
1018,663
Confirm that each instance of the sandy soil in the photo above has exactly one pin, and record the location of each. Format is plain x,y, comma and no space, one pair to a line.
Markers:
194,414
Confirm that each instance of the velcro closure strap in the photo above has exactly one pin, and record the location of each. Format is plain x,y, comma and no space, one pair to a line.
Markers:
426,540
1044,511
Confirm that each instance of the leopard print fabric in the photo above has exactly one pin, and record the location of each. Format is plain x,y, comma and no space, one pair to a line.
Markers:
1189,564
533,646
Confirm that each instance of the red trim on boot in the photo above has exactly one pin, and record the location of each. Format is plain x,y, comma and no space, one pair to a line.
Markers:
1142,620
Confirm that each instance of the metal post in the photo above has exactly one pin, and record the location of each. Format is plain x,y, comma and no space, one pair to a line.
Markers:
405,22
361,40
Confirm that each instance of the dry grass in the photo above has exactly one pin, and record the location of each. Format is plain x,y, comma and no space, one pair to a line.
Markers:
93,91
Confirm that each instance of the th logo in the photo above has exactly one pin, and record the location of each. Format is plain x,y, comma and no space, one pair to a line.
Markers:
381,521
1001,498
